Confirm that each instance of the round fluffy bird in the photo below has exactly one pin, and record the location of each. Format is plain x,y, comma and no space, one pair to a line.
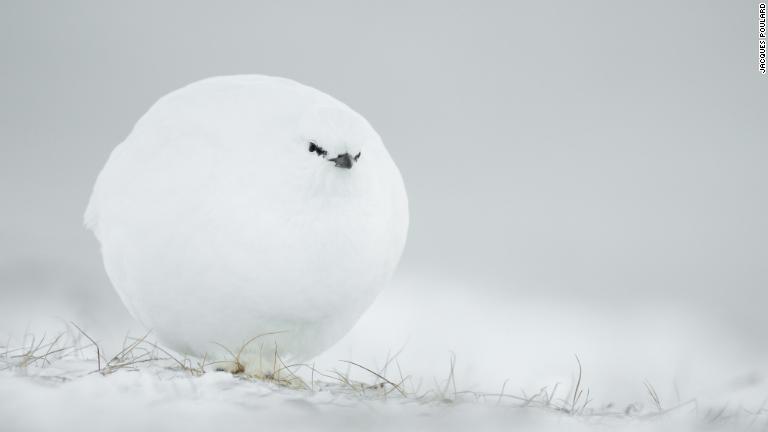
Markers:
249,217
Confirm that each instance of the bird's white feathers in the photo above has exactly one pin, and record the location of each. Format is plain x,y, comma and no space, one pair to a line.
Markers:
217,224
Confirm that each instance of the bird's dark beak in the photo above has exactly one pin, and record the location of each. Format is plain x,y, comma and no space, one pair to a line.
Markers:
343,161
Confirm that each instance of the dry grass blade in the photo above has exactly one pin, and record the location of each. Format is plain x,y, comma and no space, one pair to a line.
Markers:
171,356
98,350
669,410
451,376
577,389
255,338
654,396
501,394
377,375
130,347
552,395
294,378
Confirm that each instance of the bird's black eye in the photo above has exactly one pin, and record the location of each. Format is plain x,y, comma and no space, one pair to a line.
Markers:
317,149
357,156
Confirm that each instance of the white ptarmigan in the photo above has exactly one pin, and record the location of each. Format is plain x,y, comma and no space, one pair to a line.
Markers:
246,207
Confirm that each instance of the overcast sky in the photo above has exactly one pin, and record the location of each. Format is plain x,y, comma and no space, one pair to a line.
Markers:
606,150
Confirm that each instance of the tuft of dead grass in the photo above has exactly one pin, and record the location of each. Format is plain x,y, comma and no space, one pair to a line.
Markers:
385,382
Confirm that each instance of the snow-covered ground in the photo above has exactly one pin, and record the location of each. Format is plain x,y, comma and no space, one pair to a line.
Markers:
514,365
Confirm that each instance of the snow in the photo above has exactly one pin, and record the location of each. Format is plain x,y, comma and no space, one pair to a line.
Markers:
701,374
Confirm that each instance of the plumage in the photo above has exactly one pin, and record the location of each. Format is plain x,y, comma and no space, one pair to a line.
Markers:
226,215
